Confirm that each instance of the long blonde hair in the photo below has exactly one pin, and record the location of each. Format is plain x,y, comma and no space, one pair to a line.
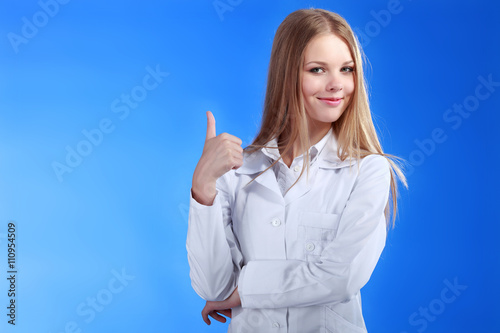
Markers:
284,115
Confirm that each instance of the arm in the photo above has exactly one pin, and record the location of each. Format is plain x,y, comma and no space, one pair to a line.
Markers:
213,254
346,263
213,251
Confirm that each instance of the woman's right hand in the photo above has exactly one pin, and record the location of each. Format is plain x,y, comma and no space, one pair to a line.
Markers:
221,153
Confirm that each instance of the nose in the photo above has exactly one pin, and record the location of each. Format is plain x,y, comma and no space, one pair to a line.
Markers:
334,84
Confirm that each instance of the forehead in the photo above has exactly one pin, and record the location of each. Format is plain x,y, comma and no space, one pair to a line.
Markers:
327,48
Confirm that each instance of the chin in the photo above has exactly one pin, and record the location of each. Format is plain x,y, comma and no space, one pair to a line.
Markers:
332,117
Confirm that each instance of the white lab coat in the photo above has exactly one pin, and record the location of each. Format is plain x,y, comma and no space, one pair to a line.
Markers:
299,260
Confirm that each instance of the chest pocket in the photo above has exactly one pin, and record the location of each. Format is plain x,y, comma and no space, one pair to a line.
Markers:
316,231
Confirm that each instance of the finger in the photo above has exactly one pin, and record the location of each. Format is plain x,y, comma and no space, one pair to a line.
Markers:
217,317
232,138
236,160
226,313
228,146
232,163
210,126
204,314
235,146
236,166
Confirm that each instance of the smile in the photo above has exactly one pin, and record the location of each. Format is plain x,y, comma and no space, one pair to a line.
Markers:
331,101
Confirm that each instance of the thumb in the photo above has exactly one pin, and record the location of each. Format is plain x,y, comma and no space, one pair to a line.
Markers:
210,126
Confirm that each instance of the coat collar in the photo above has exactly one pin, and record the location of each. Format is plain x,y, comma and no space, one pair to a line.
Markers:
258,161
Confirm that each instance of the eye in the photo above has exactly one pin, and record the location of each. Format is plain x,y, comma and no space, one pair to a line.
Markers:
317,70
347,69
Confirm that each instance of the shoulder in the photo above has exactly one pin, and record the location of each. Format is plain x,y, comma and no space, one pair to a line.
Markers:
375,166
375,161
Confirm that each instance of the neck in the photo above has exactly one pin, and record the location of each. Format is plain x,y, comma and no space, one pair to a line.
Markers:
315,136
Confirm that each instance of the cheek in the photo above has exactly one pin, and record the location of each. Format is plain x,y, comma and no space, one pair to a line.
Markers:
349,87
308,87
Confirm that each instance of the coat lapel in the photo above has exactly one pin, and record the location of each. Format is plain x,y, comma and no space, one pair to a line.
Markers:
255,163
303,186
328,158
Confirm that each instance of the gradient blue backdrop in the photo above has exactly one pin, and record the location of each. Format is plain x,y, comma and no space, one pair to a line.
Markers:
121,210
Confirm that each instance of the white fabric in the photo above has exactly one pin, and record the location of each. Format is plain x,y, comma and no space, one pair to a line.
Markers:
299,260
286,176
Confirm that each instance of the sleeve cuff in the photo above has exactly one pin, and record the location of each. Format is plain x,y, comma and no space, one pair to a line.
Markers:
241,287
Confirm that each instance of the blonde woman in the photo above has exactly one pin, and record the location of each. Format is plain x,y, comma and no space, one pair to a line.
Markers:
284,233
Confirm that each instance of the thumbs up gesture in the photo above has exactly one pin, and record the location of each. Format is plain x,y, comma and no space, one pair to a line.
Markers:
221,153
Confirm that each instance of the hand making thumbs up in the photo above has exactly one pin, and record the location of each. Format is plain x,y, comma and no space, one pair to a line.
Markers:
221,153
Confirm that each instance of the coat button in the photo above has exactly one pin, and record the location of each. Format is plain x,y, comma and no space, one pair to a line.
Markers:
296,168
276,222
309,247
276,324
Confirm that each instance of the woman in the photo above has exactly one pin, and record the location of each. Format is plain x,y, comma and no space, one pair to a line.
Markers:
284,234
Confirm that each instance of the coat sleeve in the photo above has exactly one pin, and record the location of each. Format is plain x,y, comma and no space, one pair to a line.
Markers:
213,252
345,264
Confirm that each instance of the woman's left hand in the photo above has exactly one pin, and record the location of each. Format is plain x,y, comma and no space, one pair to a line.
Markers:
214,309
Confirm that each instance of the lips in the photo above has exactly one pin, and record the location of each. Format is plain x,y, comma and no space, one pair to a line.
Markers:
331,101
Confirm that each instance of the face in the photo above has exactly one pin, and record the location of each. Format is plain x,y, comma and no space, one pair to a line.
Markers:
327,81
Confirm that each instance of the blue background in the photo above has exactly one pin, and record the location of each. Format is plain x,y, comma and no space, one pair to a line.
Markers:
123,207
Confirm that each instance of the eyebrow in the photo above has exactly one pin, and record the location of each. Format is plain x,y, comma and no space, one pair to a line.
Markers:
324,63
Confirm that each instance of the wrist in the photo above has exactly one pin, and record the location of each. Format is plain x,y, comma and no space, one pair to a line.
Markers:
205,194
